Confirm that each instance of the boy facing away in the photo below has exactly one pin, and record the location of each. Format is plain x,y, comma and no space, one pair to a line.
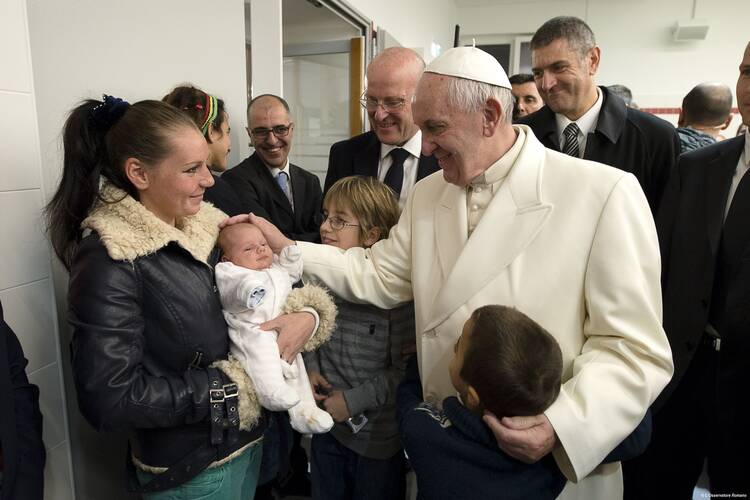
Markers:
506,364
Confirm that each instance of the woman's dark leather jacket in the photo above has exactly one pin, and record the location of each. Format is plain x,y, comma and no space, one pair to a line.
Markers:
146,326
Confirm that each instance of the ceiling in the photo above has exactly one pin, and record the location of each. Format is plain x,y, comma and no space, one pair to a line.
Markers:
486,3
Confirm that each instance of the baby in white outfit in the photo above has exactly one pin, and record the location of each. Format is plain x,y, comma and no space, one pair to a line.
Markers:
253,285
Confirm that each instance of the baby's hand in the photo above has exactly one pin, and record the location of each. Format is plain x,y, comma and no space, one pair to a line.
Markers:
320,386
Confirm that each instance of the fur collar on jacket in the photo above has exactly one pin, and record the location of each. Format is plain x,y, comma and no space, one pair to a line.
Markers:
129,230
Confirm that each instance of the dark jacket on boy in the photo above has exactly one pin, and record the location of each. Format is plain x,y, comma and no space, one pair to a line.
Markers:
455,455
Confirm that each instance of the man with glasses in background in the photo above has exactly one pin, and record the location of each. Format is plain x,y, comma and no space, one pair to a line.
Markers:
392,149
266,183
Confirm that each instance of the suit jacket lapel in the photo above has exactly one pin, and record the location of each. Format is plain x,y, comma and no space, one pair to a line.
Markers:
273,187
510,223
298,192
547,129
719,174
367,159
451,229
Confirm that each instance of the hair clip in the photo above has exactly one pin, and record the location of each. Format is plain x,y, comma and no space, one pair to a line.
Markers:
109,111
210,115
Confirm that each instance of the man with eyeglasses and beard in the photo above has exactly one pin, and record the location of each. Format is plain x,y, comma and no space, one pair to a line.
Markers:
392,149
267,183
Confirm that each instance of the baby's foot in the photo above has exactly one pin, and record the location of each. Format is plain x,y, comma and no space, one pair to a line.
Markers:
309,419
290,371
280,399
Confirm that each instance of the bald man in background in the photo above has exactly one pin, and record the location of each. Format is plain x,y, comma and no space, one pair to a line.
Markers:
701,417
706,112
392,149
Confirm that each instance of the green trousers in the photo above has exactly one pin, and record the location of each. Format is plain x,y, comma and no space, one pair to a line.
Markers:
235,480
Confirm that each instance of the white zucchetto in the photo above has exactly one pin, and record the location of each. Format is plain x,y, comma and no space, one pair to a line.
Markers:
470,63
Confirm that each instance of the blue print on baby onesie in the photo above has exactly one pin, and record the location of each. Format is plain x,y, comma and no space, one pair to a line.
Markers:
256,297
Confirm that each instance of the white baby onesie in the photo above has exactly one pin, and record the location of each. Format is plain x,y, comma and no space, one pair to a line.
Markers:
250,298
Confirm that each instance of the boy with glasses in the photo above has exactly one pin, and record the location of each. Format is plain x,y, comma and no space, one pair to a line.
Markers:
354,375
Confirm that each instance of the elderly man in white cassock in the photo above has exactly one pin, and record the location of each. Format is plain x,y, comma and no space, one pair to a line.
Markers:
569,242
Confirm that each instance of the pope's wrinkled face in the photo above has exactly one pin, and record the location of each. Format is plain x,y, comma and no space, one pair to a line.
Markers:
451,135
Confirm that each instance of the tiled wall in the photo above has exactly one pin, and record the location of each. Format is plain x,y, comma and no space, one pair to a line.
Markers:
136,50
25,282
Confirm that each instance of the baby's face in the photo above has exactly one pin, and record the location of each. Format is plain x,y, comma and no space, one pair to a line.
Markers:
244,245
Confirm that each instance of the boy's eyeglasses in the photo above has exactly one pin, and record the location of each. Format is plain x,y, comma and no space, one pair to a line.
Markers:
278,131
336,223
389,104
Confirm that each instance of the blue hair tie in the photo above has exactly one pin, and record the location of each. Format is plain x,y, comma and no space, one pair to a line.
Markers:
109,111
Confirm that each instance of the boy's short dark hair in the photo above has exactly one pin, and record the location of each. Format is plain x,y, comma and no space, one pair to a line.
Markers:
514,364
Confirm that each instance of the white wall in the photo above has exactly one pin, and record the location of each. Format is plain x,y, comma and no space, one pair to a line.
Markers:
25,286
136,50
414,23
636,42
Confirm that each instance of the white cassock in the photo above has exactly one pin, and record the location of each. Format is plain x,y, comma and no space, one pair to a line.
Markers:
569,242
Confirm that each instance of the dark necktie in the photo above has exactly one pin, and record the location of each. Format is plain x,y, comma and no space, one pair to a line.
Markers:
570,146
394,179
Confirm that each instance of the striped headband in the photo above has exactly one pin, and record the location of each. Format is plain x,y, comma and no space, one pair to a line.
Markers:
211,110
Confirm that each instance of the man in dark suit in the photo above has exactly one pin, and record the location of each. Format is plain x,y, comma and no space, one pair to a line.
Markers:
266,183
704,232
392,150
22,453
590,122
